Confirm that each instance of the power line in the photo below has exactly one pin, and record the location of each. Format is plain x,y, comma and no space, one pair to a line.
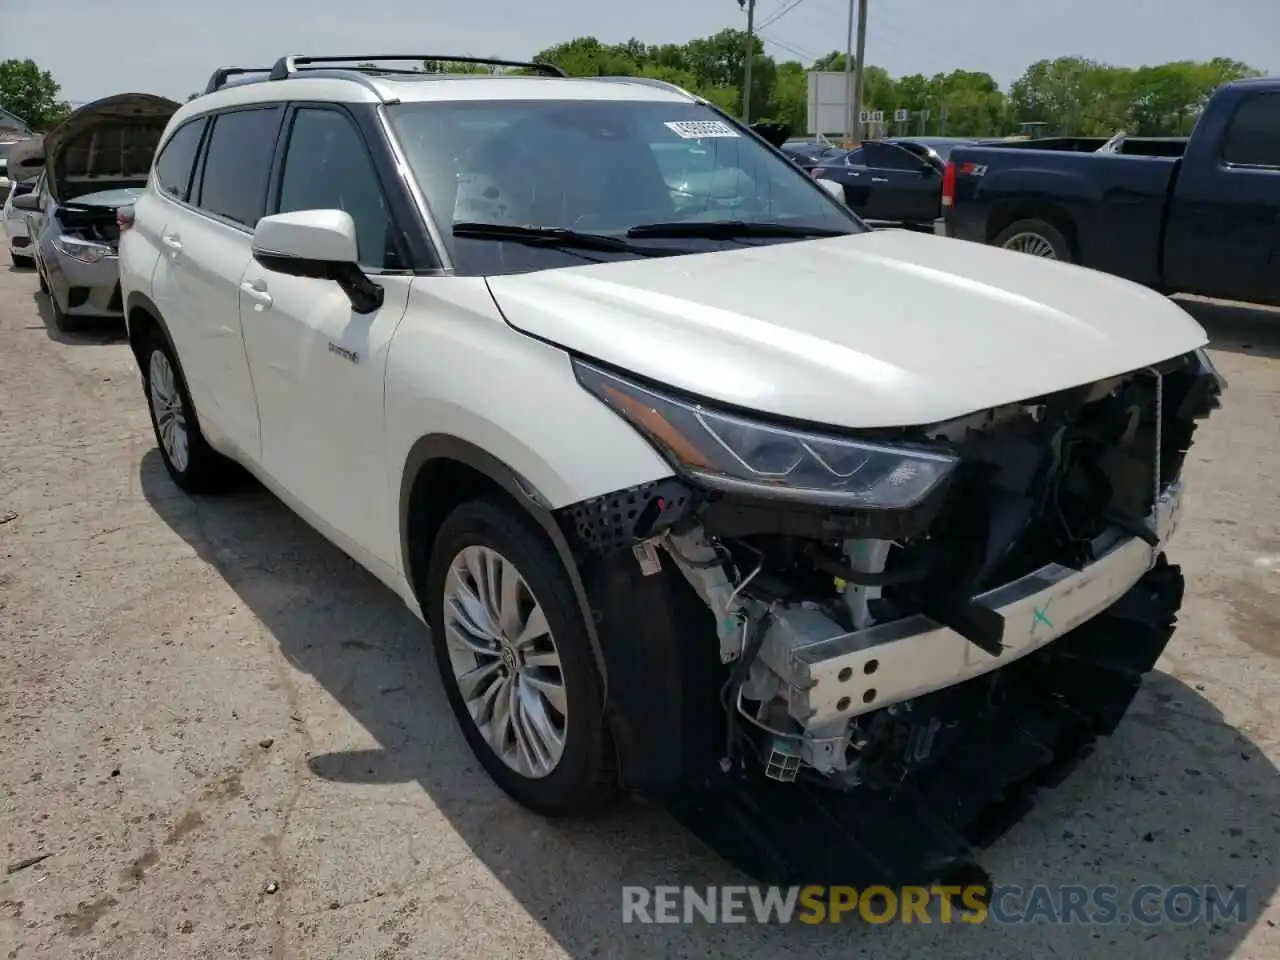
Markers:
805,54
780,14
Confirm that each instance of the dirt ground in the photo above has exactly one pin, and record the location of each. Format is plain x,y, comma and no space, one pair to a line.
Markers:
228,741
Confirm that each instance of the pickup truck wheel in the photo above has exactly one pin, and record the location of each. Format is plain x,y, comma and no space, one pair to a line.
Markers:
194,465
516,661
1039,238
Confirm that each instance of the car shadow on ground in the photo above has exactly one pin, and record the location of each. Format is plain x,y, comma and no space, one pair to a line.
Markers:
1237,327
89,331
1177,796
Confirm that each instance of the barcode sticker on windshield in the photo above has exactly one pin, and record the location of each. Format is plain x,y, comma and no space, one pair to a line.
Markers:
701,129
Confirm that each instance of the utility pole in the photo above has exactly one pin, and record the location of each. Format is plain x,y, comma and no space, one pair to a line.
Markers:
858,93
851,108
750,55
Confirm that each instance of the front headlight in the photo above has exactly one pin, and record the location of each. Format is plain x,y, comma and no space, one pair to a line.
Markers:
83,250
729,452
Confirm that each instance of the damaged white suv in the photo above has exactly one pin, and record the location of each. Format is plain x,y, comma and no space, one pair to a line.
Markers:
837,542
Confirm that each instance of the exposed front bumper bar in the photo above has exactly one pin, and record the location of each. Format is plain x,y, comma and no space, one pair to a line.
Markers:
855,673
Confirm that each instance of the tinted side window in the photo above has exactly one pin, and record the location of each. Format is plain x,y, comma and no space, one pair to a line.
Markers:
327,167
237,164
1254,135
887,156
178,158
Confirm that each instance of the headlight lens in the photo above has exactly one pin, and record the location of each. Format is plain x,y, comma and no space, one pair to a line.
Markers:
728,452
82,250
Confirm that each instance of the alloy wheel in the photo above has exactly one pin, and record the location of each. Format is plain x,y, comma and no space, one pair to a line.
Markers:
505,661
1031,243
166,404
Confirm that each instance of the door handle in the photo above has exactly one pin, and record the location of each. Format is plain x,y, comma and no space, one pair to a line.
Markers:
879,179
263,298
172,241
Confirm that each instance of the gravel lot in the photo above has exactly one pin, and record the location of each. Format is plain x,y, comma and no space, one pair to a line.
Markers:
228,740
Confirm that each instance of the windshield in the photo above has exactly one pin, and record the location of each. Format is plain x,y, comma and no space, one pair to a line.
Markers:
603,167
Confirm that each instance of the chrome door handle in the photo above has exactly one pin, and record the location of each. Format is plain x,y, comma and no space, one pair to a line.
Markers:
172,242
879,179
263,298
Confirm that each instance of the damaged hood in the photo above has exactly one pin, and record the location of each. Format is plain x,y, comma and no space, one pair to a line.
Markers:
105,144
881,329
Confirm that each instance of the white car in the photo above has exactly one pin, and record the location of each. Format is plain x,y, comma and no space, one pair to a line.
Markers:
837,584
14,221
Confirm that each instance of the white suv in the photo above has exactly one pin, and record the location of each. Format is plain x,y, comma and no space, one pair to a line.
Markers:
702,486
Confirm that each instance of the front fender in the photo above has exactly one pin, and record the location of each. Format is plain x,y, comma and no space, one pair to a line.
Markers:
457,369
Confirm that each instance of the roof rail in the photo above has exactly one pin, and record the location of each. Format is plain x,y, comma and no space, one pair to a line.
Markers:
652,82
222,74
286,67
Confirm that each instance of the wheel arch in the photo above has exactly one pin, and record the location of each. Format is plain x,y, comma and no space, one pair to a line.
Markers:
442,471
141,316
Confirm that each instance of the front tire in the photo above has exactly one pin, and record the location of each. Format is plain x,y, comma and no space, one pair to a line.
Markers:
1039,238
516,661
194,465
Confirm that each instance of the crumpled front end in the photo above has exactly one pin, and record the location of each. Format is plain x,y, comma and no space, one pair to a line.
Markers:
834,693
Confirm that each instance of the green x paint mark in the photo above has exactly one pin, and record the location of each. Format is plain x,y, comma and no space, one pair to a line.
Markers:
1038,617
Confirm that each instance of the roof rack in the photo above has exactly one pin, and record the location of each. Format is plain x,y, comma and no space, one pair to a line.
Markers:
222,74
286,67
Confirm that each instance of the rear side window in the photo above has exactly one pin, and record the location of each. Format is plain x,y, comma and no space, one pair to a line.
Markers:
237,164
178,159
1253,139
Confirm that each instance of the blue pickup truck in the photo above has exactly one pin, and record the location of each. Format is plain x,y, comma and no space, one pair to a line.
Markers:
1198,215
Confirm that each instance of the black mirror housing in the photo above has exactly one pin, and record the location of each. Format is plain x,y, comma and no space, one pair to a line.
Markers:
365,295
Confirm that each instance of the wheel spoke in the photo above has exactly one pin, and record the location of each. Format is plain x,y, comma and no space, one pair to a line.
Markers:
551,690
483,708
508,608
469,607
545,742
460,639
524,749
500,732
491,589
472,683
534,628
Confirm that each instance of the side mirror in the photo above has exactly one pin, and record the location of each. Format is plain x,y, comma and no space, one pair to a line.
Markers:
28,201
321,245
833,188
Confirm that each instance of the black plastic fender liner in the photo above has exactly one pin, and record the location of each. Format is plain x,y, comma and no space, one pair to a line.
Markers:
658,640
1019,730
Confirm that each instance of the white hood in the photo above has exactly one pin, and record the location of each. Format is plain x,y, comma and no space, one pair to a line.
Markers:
888,328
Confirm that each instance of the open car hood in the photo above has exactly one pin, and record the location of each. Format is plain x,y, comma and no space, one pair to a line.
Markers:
26,158
881,329
106,144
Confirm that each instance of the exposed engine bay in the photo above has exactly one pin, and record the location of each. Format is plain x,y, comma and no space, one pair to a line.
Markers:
897,677
92,224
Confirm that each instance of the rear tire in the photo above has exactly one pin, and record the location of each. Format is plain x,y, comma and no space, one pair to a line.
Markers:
1039,238
535,690
194,465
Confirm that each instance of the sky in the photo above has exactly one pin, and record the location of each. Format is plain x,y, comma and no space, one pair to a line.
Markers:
94,48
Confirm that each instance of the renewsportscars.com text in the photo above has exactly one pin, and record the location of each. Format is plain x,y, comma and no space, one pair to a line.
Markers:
1147,904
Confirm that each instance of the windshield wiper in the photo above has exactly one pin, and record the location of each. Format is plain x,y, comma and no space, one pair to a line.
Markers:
553,237
729,230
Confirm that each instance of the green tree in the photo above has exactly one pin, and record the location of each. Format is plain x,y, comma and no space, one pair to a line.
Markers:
30,93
